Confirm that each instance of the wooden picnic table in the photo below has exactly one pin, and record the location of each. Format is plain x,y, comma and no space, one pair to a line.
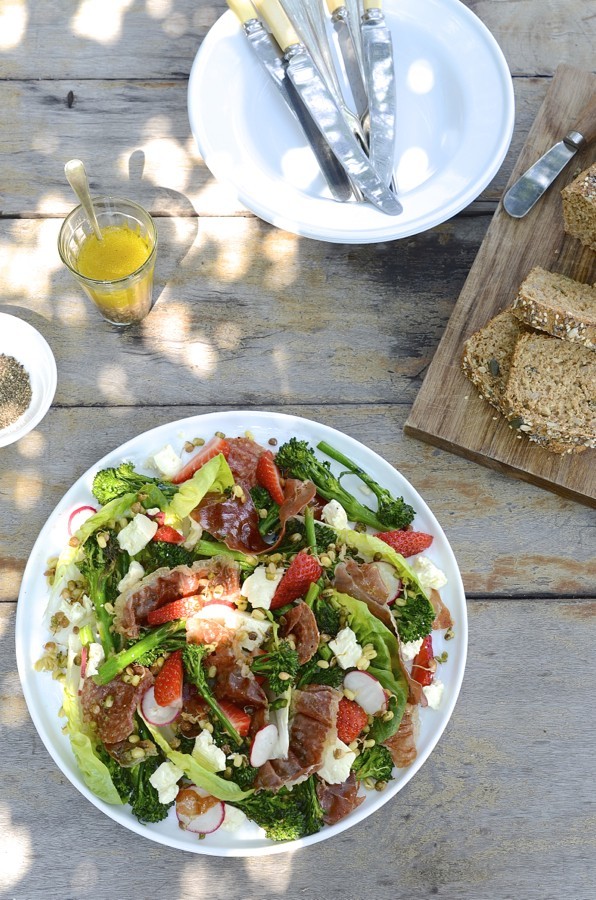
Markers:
248,316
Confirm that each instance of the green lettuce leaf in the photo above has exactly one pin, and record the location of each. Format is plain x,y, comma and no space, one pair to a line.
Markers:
95,773
214,477
199,769
385,666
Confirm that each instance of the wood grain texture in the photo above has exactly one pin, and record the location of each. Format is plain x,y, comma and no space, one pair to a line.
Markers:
506,785
502,535
448,411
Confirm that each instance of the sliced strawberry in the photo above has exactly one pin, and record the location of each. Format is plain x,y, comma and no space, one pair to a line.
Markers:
351,719
424,665
208,451
177,609
406,542
168,535
168,684
239,719
302,572
267,476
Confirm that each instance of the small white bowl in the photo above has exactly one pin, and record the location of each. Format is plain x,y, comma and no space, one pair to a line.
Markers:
27,346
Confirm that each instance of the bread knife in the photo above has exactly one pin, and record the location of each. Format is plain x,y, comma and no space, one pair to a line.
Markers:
528,189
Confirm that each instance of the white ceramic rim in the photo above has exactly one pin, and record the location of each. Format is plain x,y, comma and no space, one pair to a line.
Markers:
43,695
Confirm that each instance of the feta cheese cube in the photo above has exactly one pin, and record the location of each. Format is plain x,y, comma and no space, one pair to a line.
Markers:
95,657
134,574
233,819
259,590
429,576
207,751
167,461
346,648
335,515
410,649
194,535
137,534
165,781
337,762
434,693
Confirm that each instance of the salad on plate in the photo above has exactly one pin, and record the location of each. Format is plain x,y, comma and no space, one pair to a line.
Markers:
242,639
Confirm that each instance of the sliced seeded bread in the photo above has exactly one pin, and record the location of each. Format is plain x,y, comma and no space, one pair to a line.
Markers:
558,305
551,391
579,207
487,357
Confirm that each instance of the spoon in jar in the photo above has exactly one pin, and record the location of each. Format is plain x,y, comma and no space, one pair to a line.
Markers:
77,179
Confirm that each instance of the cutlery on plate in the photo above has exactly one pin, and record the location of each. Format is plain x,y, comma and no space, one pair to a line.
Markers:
267,52
527,190
325,112
342,24
379,77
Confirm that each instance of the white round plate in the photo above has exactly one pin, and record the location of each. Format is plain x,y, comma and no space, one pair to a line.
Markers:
455,116
43,695
27,346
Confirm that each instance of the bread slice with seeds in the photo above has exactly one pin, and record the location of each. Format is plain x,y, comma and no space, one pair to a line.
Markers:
487,357
551,391
579,207
559,305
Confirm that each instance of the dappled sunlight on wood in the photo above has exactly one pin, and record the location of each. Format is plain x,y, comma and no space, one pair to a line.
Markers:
285,259
200,356
228,336
27,487
90,20
32,445
15,850
113,384
12,713
280,366
13,23
274,881
233,260
158,9
28,263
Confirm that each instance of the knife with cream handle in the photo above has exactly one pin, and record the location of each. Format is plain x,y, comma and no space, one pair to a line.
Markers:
342,25
325,111
266,51
379,76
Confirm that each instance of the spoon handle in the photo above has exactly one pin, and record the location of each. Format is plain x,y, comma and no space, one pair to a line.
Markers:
77,178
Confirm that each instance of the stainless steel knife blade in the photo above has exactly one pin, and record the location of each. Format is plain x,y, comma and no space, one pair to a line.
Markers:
267,52
527,190
379,74
342,25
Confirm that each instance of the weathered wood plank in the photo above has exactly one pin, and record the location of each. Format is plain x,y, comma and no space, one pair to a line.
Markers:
136,141
507,783
507,536
246,314
159,39
461,420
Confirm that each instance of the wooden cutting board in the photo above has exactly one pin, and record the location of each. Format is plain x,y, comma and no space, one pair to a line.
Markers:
448,411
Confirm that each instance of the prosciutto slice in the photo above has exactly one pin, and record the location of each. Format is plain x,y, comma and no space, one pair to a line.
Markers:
442,615
234,680
364,582
114,717
300,622
213,579
402,745
338,800
313,728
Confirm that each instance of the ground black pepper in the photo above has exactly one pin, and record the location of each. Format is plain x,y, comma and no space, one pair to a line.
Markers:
15,390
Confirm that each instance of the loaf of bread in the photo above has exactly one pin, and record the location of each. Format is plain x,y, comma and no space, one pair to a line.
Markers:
579,207
559,305
487,357
551,391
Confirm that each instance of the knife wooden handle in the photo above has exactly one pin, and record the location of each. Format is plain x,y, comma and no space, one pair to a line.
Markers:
372,4
243,9
332,5
586,122
281,27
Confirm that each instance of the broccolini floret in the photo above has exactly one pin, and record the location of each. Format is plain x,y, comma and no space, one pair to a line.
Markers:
414,620
311,673
392,512
192,658
282,661
108,484
327,616
298,459
263,500
158,554
158,639
290,543
286,815
103,568
374,763
133,785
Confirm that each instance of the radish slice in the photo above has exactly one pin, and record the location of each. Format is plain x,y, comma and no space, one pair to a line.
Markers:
78,516
84,655
198,811
368,691
390,579
264,745
156,714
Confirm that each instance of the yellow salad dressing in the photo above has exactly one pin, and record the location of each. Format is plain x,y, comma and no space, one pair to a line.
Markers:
120,253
